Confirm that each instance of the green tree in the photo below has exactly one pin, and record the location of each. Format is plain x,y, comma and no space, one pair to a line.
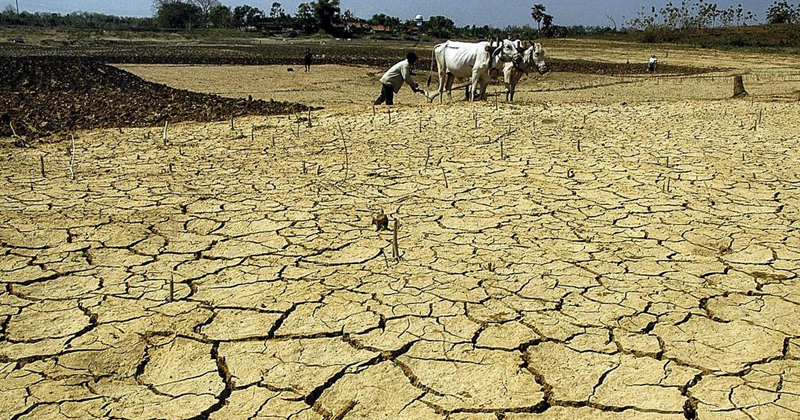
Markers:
305,19
205,5
547,21
247,16
276,11
178,15
439,27
220,17
382,19
328,13
783,12
537,13
348,16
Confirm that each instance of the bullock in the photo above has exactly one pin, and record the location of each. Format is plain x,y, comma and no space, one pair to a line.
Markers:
532,59
471,60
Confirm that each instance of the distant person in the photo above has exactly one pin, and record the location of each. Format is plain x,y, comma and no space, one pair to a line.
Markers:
307,59
393,80
651,65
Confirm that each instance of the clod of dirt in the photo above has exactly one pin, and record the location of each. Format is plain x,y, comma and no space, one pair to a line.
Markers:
381,222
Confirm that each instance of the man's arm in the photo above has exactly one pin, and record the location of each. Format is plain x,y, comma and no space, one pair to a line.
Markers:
406,72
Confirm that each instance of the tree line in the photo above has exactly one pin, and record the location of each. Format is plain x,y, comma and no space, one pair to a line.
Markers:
700,14
326,16
310,18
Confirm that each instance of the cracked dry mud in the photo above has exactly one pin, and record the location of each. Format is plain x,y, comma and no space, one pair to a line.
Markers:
650,275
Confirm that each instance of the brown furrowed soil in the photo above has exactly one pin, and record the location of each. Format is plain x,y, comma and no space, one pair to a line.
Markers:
50,95
609,247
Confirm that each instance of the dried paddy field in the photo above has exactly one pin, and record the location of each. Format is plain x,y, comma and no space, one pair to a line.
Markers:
599,251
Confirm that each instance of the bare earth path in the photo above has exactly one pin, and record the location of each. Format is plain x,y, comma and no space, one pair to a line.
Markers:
558,261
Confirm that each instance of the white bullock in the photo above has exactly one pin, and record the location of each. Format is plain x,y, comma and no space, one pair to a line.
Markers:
471,61
532,59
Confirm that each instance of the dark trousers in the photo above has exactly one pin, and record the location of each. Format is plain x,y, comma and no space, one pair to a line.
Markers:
387,95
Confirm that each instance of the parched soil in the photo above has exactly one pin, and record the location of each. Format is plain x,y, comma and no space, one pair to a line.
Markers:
561,261
607,248
48,95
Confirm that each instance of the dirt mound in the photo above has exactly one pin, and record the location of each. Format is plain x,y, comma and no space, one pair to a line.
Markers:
49,95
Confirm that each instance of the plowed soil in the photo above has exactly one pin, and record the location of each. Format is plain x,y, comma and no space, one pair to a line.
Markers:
47,95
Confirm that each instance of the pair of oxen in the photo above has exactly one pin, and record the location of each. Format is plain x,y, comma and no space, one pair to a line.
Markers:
481,61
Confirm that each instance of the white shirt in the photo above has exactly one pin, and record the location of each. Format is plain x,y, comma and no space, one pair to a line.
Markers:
399,73
653,60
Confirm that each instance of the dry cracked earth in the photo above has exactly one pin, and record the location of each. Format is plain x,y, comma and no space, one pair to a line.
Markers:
556,261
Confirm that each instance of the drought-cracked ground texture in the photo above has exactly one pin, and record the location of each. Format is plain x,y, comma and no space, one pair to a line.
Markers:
557,261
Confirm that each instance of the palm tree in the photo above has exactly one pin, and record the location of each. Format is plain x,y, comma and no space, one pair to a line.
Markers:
537,13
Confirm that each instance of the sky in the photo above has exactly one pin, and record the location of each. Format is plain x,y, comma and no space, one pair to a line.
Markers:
497,13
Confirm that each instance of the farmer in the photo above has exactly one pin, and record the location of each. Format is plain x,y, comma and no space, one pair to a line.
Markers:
651,65
393,80
307,59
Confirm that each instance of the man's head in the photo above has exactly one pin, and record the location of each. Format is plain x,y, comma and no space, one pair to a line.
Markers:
411,56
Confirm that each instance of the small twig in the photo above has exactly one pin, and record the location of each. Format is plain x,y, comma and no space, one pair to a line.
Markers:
41,165
232,127
502,153
445,178
346,154
579,144
389,111
21,141
309,117
427,157
172,288
506,134
252,134
164,135
395,247
72,159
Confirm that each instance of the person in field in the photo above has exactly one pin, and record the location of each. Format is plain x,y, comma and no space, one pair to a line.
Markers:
307,59
651,65
393,80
